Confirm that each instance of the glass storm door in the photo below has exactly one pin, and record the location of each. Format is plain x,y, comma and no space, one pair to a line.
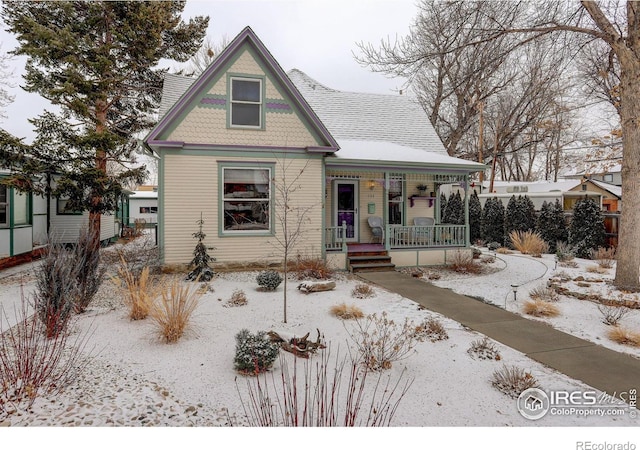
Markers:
345,201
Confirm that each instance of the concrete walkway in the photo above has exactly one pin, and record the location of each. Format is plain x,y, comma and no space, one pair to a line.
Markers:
606,370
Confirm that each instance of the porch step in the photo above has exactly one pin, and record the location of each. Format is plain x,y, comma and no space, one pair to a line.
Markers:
370,261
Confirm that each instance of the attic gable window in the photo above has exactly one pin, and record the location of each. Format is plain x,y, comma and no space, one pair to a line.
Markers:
246,102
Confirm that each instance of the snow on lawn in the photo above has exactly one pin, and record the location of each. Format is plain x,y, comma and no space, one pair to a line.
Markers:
580,318
135,379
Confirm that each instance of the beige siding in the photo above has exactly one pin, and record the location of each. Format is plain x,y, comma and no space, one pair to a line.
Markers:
191,187
420,207
204,125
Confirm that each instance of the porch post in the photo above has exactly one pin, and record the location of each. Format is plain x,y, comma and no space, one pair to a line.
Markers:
387,241
467,231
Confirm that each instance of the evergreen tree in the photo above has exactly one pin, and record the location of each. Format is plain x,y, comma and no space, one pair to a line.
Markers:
520,215
492,226
586,231
529,213
454,212
475,217
551,224
98,62
443,206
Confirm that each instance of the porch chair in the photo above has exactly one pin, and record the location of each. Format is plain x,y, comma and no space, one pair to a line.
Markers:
423,236
377,228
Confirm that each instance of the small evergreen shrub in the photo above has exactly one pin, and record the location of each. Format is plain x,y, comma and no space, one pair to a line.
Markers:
493,246
269,280
255,353
512,381
551,224
199,265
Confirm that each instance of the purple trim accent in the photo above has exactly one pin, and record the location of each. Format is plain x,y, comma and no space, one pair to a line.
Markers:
435,169
213,101
322,149
256,148
282,106
245,35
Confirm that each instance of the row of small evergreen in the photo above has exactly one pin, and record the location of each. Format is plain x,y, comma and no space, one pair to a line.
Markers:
584,232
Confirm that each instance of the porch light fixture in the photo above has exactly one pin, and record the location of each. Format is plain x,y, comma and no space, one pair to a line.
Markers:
372,185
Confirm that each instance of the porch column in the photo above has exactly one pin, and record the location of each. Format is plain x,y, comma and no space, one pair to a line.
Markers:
467,232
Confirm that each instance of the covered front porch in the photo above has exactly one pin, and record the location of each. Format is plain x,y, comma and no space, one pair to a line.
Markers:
397,212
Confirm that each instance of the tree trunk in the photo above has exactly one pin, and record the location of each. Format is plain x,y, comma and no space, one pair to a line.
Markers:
628,251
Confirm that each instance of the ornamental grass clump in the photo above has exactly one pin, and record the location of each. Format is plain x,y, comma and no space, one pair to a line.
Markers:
624,336
362,290
528,243
541,308
255,353
484,349
512,380
269,280
173,310
346,312
139,291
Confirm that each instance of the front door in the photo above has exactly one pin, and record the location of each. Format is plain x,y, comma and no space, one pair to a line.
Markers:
345,201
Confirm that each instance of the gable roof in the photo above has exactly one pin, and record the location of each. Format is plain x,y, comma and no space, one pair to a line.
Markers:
611,188
357,116
192,87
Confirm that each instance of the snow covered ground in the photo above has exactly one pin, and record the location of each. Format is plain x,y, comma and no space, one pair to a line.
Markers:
136,380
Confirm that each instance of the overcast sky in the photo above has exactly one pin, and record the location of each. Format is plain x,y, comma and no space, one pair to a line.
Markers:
317,37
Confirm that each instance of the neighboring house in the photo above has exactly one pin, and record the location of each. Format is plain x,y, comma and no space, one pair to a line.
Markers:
606,171
226,140
27,220
143,205
568,192
22,225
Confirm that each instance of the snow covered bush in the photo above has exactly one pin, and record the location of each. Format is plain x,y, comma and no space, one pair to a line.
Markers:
432,329
586,231
551,224
255,353
492,224
484,349
269,280
512,381
199,265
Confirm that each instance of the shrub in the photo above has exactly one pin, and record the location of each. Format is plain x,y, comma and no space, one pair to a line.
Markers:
564,251
346,312
319,397
238,298
484,349
431,329
492,224
541,308
493,246
255,353
362,290
139,292
551,224
454,210
612,315
31,363
475,217
624,336
269,280
586,231
172,312
519,215
504,251
528,243
56,289
380,341
135,255
463,262
544,293
199,265
605,256
86,257
314,268
512,381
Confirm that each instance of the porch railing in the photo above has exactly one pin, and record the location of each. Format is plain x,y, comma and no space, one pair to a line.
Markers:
399,236
335,238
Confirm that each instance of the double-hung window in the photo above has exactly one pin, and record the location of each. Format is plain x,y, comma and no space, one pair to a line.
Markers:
246,199
4,206
246,102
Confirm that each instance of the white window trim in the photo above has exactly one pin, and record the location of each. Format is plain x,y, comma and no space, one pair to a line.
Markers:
232,101
266,199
